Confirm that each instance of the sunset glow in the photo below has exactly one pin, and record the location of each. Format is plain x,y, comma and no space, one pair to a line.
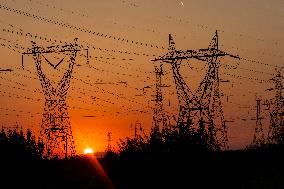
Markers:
114,87
88,151
141,94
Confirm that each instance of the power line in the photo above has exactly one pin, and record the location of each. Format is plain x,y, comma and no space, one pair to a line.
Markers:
138,54
45,4
66,25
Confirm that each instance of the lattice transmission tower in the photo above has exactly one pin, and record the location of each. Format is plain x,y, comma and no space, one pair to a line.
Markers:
258,138
160,123
198,112
210,115
56,132
109,140
276,129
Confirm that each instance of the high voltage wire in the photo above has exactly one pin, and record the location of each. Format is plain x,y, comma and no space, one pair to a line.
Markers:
105,91
34,16
132,27
85,82
21,33
107,58
49,40
18,88
203,26
258,62
137,76
123,67
18,83
66,25
232,67
251,70
46,4
9,94
76,99
29,98
120,51
17,45
127,110
81,80
243,77
128,2
18,96
253,79
18,111
259,51
232,75
22,75
9,47
36,36
242,68
117,73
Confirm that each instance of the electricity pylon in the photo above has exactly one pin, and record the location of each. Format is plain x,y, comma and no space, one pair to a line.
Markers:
276,129
210,113
197,112
258,138
160,121
55,133
109,147
183,92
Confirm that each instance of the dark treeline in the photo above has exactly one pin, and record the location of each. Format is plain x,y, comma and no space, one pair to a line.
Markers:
168,140
160,142
158,160
187,161
19,145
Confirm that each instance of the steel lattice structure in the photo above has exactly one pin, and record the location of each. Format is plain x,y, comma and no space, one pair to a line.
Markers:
56,132
276,129
258,138
200,113
109,147
161,125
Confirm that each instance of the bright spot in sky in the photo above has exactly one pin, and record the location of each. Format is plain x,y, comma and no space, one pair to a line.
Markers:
182,3
88,151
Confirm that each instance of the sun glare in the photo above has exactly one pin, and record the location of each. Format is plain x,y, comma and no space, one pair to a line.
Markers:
88,151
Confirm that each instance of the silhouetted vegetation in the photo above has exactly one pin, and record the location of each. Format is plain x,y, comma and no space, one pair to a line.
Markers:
15,144
160,160
168,140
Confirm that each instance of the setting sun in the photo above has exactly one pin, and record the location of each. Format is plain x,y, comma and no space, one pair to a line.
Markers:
88,151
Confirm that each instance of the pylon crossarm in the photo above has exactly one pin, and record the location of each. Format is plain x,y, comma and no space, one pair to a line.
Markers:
49,51
201,54
6,70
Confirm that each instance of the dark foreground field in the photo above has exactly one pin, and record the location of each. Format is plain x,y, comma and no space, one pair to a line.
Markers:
234,169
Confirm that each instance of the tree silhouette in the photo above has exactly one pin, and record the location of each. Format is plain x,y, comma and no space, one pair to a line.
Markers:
14,144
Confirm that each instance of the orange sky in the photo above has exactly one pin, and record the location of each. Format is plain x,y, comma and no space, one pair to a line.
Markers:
111,89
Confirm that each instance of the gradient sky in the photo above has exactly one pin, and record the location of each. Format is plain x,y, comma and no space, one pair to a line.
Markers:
111,88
